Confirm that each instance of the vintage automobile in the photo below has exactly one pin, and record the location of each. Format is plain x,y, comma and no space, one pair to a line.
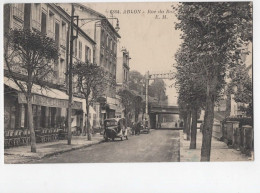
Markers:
145,127
115,128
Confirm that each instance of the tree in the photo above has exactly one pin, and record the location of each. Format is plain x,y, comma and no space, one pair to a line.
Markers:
128,99
191,88
242,87
91,81
33,54
158,89
218,31
136,81
138,106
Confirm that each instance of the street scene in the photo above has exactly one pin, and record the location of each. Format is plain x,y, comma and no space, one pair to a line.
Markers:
87,83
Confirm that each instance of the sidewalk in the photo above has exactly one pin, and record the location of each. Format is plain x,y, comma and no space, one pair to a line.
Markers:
23,154
219,151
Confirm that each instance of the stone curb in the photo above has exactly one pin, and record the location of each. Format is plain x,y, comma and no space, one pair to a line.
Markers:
54,153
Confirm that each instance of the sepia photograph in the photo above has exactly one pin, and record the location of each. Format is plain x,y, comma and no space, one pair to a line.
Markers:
127,83
81,85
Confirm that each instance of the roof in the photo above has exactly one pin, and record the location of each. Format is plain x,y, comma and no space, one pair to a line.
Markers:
86,36
80,30
98,15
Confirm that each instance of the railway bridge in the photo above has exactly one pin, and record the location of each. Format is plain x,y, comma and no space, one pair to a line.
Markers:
159,121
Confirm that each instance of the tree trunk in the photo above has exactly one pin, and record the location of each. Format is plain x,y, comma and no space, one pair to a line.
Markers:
185,126
184,123
193,129
30,123
207,129
87,123
188,125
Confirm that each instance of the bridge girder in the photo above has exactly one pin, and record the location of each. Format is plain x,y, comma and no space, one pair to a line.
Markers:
165,109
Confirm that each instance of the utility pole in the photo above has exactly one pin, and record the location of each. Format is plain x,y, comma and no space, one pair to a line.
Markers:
70,74
146,94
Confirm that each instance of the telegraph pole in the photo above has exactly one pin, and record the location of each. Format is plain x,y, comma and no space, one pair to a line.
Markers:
70,73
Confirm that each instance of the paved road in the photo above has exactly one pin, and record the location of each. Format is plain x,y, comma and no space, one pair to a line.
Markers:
158,146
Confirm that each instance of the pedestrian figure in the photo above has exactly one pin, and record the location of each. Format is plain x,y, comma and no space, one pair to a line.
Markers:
138,128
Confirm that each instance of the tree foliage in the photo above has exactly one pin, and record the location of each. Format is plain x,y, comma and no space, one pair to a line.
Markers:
91,81
128,101
136,81
30,56
214,34
157,89
33,54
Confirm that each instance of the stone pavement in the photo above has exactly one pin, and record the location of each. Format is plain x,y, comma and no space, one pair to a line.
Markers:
23,154
219,151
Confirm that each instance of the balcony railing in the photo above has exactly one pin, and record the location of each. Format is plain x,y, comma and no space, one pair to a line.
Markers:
17,13
51,34
36,25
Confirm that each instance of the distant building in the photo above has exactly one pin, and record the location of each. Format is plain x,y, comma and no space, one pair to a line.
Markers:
123,68
227,103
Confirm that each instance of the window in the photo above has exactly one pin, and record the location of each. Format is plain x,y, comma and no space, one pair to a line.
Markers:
18,11
75,47
62,69
57,33
86,54
43,23
101,60
113,47
51,25
80,49
63,34
102,37
56,68
89,55
107,41
36,16
124,58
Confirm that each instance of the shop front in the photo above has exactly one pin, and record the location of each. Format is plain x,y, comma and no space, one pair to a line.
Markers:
49,108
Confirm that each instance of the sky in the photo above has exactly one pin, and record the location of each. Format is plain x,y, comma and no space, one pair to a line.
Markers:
151,42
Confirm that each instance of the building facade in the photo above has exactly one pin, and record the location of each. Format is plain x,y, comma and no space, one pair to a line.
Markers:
50,105
122,72
100,29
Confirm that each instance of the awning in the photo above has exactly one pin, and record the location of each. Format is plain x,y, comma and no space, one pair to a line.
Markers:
36,89
44,97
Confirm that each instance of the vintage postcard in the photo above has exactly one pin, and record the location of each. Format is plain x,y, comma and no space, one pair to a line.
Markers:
128,82
108,96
